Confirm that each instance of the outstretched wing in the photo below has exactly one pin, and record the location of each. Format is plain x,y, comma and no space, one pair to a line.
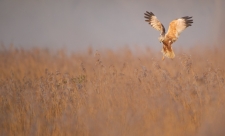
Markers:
154,22
177,26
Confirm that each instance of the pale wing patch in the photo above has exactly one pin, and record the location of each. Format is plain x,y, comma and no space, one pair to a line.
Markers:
154,22
183,23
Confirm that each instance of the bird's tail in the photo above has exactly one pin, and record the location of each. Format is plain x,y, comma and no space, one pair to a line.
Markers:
168,51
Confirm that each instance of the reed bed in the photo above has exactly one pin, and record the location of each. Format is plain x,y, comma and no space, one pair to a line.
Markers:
112,93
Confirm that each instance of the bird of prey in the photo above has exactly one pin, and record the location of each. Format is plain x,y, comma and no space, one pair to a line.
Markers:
175,28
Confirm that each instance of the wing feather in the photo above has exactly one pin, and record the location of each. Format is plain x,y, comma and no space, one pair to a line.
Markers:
154,22
177,26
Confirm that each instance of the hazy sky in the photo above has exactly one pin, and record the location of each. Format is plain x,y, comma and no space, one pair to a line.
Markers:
77,24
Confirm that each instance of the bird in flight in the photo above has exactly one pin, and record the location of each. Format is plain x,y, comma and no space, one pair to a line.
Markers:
175,28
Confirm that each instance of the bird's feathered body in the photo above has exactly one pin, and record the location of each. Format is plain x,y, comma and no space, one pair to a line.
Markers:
175,28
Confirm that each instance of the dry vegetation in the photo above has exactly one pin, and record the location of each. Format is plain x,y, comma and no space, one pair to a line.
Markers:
112,93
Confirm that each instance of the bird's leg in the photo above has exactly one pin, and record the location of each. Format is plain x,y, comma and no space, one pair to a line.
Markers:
163,58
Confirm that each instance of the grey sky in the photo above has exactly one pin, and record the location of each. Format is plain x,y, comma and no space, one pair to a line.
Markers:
76,24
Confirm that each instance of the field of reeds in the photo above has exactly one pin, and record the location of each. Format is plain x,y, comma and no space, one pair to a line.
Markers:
112,92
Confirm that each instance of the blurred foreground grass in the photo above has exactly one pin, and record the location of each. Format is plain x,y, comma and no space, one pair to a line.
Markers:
112,93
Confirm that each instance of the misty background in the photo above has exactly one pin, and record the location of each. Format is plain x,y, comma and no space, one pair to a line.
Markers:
78,24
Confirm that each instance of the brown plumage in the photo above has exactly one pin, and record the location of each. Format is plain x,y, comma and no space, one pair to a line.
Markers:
175,28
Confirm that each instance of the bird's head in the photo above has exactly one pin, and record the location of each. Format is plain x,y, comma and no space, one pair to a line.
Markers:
161,38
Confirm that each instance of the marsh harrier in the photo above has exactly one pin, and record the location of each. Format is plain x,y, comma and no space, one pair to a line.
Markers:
175,28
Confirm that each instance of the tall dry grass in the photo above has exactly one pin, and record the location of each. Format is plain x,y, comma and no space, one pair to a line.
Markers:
112,93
